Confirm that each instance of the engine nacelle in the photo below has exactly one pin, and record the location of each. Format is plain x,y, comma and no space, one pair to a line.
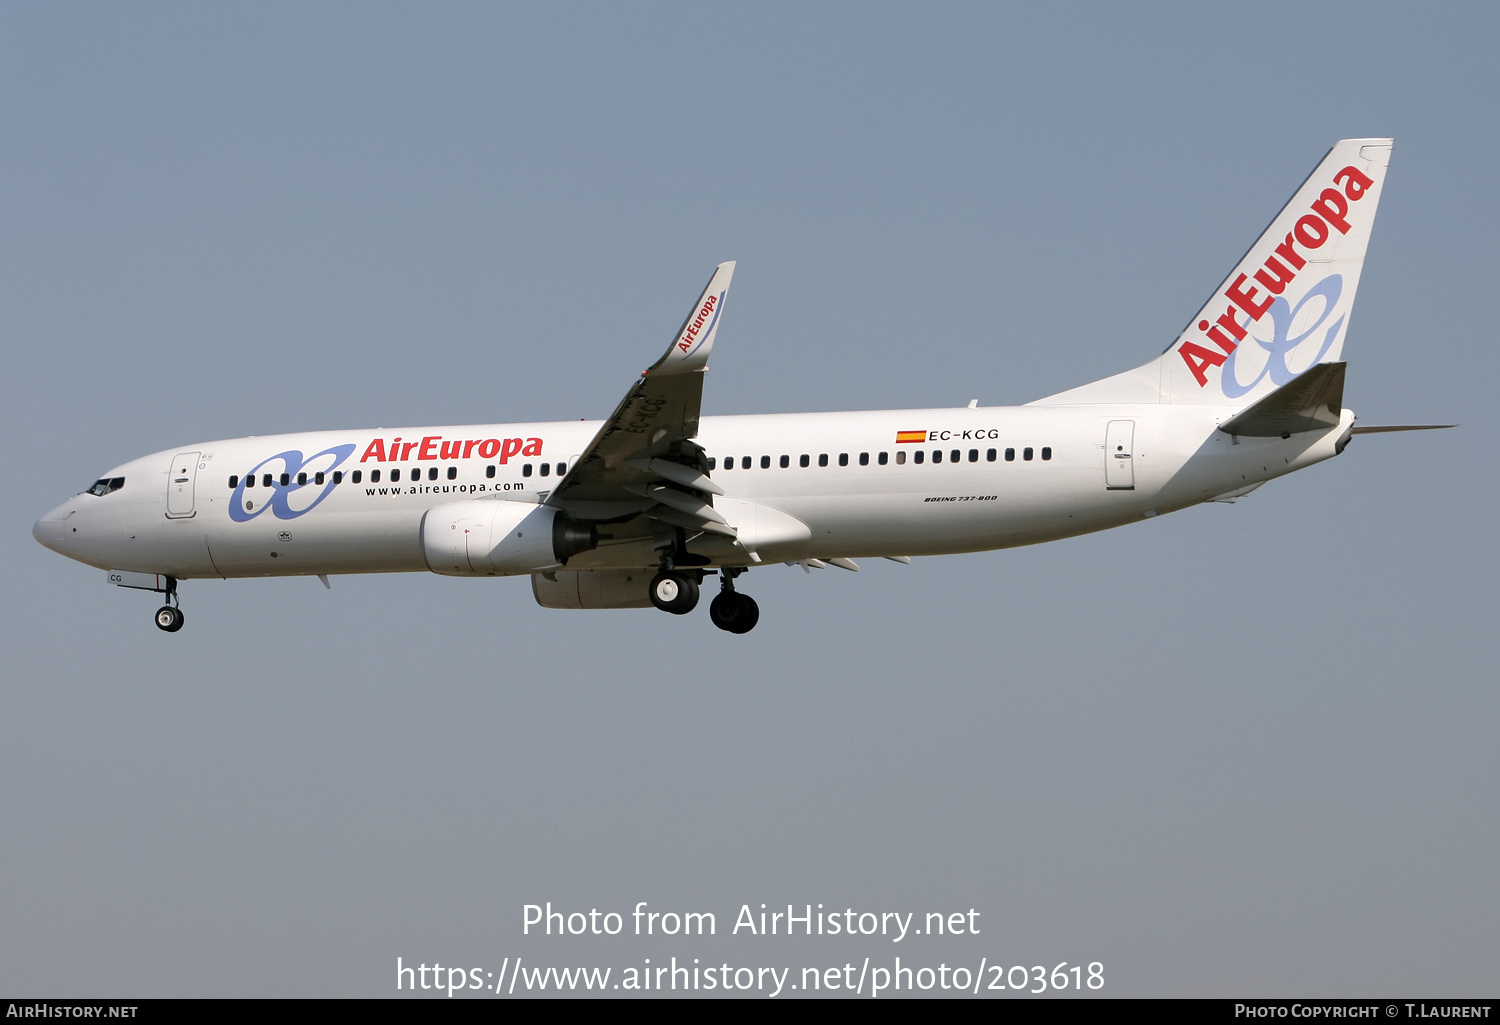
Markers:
499,538
593,589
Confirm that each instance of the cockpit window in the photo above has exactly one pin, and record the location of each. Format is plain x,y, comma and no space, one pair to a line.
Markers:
104,485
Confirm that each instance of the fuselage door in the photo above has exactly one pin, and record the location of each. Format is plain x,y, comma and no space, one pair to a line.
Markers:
1119,466
181,478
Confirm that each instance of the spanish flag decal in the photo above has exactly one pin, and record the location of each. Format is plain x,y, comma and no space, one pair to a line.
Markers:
902,437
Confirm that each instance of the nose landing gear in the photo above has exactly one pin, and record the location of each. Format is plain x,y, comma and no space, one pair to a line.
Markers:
169,618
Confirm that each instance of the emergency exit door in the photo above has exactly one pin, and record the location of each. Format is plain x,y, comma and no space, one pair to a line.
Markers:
1119,463
181,478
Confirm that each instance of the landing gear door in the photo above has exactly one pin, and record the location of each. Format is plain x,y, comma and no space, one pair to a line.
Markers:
181,478
1119,464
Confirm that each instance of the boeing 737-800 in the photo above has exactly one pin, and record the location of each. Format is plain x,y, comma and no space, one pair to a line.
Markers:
637,509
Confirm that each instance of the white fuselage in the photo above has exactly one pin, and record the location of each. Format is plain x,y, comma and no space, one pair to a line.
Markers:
862,493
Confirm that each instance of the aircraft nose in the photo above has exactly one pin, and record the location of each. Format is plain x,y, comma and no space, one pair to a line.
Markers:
51,531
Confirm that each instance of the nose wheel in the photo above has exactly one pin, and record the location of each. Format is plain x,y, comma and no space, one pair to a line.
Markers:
169,618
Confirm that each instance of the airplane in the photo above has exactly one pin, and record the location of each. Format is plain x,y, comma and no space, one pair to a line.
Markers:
638,509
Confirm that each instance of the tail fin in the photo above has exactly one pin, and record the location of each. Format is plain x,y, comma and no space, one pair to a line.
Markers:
1285,306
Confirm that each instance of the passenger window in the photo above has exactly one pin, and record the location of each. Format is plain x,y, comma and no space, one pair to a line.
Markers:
844,459
526,470
249,480
881,459
864,459
918,456
1026,454
453,473
765,462
901,457
356,475
318,477
395,475
1046,453
803,460
745,463
786,461
431,473
713,462
1010,455
338,476
374,476
954,456
562,469
489,471
546,469
973,455
265,480
286,479
234,481
301,479
990,455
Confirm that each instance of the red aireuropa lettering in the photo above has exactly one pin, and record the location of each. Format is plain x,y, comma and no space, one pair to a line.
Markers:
489,448
1278,279
375,451
1245,299
1332,206
429,447
511,447
1287,253
1310,231
1356,184
1200,359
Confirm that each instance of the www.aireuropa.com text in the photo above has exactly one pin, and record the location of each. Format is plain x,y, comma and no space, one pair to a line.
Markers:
516,975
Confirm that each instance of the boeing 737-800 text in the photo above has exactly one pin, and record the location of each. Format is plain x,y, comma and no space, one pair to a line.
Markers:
637,509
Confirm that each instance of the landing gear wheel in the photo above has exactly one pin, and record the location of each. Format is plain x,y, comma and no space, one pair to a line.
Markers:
169,619
734,612
674,593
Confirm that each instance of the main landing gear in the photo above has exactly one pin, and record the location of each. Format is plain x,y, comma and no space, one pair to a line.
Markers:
677,590
730,610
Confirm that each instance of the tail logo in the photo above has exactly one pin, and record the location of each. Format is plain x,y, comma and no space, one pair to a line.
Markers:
1283,316
1255,299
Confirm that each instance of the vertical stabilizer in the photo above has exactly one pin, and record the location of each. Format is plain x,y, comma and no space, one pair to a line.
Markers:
1285,306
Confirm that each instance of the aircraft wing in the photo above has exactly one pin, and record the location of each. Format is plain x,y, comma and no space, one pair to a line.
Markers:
644,460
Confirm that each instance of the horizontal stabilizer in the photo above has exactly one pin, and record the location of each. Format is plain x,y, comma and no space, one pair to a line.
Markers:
1313,401
1388,428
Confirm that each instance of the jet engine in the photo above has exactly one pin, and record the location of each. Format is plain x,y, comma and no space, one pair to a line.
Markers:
500,538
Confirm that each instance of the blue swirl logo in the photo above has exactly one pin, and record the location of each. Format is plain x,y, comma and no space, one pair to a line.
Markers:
290,500
1283,343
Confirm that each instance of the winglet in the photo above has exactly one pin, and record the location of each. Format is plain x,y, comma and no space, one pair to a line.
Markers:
690,349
